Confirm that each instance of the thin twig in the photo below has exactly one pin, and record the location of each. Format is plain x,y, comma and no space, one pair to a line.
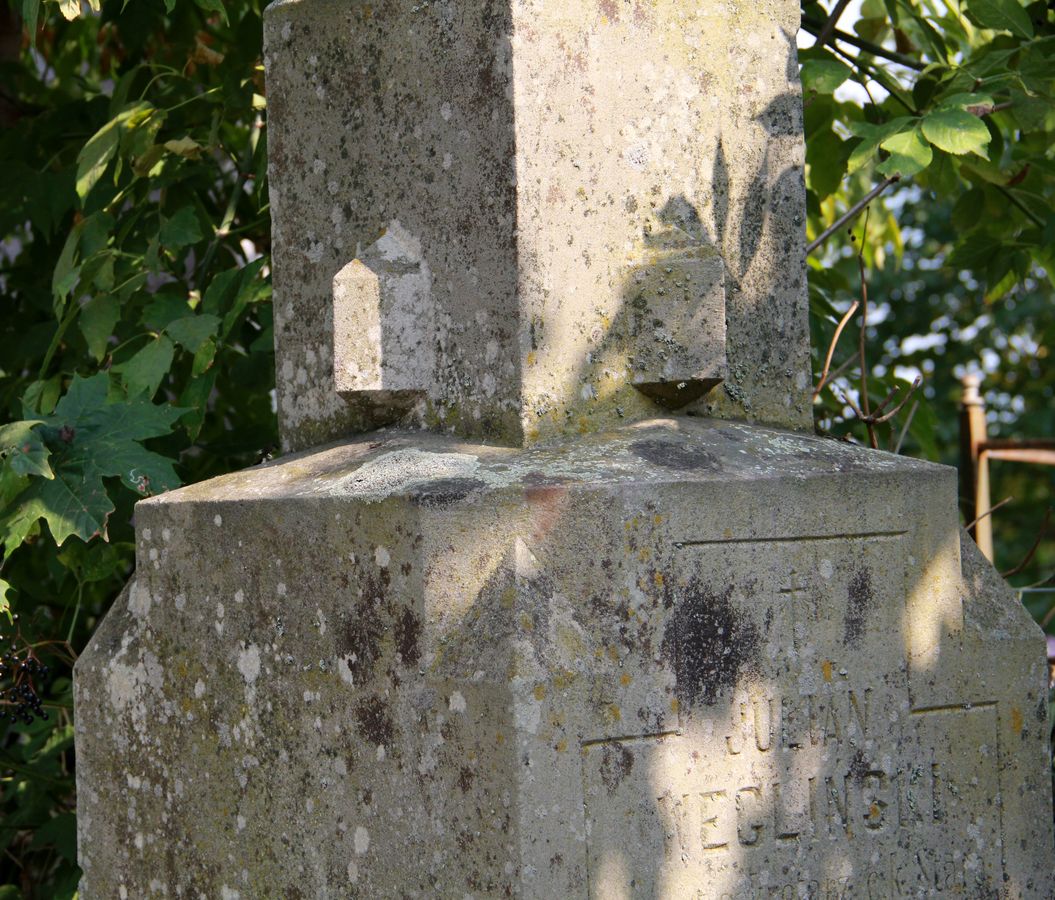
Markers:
814,26
905,427
831,347
843,366
863,69
1026,211
847,400
851,213
894,391
992,509
829,27
879,420
1050,614
861,338
1043,533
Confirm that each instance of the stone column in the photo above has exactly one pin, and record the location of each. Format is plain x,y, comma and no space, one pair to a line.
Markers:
574,605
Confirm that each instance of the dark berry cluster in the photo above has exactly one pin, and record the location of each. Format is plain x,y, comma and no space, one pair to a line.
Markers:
21,675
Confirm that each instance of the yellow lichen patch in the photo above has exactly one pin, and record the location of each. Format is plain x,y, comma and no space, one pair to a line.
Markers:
643,554
612,713
500,738
1016,720
532,357
186,705
658,579
540,692
509,596
625,679
613,654
673,704
657,519
561,746
526,623
570,640
564,679
826,670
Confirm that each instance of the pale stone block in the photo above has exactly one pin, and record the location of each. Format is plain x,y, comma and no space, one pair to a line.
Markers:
533,150
383,331
682,659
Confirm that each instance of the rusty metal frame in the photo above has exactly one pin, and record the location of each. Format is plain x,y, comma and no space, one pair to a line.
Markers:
976,450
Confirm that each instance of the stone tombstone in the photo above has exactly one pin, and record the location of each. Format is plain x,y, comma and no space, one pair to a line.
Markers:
587,611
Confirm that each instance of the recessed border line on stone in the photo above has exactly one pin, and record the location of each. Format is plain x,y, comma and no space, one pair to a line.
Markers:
593,742
954,707
864,535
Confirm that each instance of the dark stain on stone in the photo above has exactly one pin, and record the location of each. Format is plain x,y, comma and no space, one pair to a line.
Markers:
676,456
859,767
360,637
616,763
362,644
447,490
374,721
407,634
711,642
858,602
465,779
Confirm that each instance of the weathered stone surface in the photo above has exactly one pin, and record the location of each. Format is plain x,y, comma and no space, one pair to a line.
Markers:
683,659
533,150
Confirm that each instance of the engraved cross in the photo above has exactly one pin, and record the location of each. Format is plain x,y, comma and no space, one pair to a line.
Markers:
798,607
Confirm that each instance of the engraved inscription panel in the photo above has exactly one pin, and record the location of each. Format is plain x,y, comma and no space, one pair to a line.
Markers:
798,767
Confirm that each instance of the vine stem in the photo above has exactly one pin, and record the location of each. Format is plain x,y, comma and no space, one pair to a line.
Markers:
829,27
852,213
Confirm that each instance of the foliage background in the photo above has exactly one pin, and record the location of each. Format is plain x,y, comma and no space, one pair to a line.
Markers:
136,344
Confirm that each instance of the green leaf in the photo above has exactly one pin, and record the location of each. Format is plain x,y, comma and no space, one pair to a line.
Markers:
41,397
165,308
181,230
965,101
1001,15
191,332
97,320
5,602
872,136
66,271
95,156
30,15
184,146
824,75
974,251
204,357
195,399
143,373
967,212
956,131
60,832
909,154
826,156
22,447
92,438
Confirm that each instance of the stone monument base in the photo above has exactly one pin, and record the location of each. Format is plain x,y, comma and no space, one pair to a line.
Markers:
682,659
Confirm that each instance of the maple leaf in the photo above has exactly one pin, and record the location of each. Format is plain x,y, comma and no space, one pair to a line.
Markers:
91,438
